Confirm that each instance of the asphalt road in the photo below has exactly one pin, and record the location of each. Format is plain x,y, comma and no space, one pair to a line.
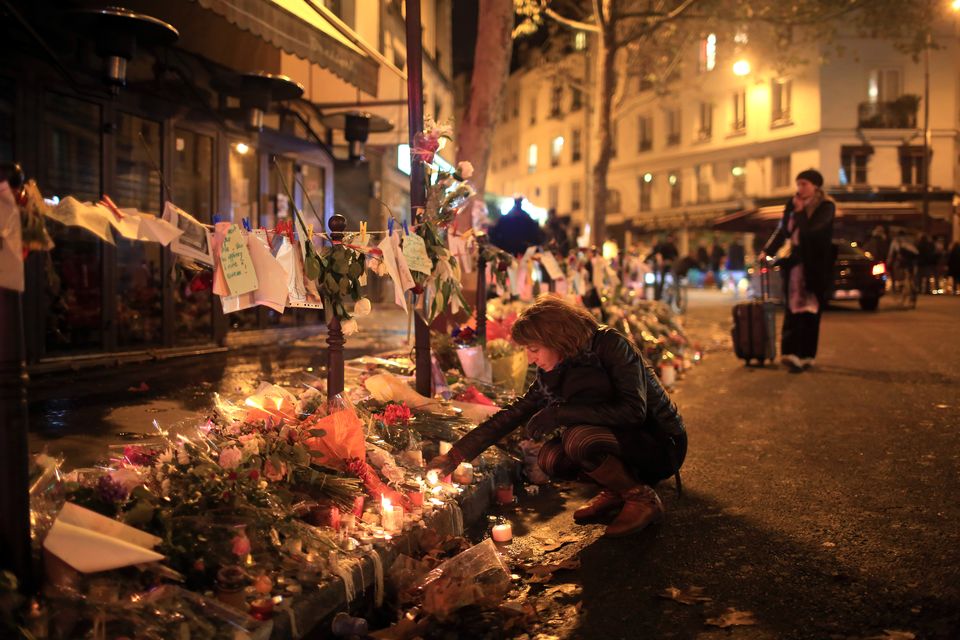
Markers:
824,503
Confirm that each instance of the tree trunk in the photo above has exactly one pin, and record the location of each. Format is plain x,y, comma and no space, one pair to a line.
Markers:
487,84
606,83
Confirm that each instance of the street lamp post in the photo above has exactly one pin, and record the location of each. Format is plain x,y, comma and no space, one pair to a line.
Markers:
926,136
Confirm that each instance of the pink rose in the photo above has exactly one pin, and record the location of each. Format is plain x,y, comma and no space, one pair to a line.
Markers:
425,145
240,544
230,458
273,473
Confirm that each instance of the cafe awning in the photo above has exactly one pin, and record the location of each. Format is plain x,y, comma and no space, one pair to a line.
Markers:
759,218
301,29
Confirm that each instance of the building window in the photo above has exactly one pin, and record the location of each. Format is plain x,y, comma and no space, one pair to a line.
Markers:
645,133
780,97
556,98
575,146
676,189
703,184
533,110
673,127
580,40
556,148
708,53
853,164
613,201
576,99
884,85
646,191
706,120
739,173
911,165
532,158
575,202
739,123
553,197
781,172
614,137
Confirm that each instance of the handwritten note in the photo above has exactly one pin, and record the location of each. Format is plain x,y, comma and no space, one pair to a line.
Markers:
237,266
550,263
415,252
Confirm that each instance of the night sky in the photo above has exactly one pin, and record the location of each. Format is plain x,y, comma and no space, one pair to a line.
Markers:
464,34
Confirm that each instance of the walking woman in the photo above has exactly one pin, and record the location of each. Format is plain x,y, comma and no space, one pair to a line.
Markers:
601,410
808,271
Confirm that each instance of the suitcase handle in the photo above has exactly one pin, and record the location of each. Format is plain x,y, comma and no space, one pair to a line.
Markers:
765,265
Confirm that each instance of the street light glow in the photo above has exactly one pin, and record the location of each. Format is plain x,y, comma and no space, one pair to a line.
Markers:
241,148
741,67
955,5
648,177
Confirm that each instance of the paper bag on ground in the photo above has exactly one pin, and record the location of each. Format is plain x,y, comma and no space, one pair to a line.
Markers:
90,542
476,576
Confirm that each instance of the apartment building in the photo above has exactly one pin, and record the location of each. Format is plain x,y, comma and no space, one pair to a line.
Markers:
726,139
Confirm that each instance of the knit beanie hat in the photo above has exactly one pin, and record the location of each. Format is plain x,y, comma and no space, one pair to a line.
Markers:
811,175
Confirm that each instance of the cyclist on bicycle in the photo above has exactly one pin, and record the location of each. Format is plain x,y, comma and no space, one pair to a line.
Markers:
902,257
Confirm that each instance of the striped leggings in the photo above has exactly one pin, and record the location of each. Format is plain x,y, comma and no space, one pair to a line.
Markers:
581,448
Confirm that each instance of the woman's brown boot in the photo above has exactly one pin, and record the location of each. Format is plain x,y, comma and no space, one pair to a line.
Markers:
601,504
641,506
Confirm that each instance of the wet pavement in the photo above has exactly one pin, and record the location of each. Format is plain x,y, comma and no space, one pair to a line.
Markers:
824,504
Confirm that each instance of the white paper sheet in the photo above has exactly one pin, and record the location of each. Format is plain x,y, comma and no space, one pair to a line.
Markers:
552,266
74,213
11,241
154,229
390,262
272,277
196,241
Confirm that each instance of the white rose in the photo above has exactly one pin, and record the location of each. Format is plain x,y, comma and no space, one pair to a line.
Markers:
362,308
465,169
349,327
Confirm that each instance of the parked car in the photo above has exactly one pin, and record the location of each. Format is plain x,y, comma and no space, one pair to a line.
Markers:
856,276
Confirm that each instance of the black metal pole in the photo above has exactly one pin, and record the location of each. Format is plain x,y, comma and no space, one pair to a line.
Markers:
15,551
335,338
926,136
418,191
482,298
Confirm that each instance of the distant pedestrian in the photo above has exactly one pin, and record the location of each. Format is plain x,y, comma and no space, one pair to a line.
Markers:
927,260
516,230
703,258
953,266
737,260
878,244
717,254
808,223
558,233
664,255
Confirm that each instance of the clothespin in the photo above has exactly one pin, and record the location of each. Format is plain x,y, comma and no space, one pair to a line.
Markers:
390,226
109,204
406,227
363,233
310,232
217,218
246,224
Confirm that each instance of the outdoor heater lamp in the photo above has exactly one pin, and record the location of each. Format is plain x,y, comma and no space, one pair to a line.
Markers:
357,126
259,90
117,33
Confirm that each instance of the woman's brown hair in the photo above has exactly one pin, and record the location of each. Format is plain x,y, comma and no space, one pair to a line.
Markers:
556,324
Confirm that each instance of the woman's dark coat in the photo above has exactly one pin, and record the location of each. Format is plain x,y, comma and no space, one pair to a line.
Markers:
815,251
607,384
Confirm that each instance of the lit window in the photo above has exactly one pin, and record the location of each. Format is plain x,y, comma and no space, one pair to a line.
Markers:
708,53
532,158
739,110
580,41
780,96
556,148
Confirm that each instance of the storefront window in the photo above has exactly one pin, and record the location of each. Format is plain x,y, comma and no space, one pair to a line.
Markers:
244,203
192,187
74,292
314,180
139,302
6,120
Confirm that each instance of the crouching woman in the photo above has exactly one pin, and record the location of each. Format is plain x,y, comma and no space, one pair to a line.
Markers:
600,409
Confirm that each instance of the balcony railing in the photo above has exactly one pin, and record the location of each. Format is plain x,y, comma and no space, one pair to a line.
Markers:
898,114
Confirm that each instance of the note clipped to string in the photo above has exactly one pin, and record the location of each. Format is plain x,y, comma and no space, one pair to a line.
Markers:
415,252
550,263
238,267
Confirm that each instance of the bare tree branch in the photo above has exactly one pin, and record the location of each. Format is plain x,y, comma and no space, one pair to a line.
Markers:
568,22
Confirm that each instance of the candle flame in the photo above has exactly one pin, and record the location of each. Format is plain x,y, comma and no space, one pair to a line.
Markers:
386,504
433,477
252,402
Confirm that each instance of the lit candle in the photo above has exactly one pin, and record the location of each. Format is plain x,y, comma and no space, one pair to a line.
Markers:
463,473
433,477
502,532
391,516
445,448
504,494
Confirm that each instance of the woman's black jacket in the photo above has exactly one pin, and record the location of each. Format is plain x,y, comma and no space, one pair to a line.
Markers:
815,251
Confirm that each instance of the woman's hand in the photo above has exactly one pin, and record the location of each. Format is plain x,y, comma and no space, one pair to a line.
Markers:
798,202
446,463
542,423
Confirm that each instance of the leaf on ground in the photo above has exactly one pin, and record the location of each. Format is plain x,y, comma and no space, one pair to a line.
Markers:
732,618
894,634
544,572
691,595
550,544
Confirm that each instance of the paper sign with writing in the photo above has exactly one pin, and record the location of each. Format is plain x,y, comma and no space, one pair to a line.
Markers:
415,252
238,268
552,266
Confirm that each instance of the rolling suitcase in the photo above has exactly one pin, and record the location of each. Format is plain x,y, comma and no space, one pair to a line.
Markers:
754,327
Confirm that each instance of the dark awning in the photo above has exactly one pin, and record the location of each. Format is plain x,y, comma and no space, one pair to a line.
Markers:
298,28
764,218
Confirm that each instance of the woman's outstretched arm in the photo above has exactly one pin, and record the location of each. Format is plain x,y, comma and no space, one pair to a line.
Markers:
501,423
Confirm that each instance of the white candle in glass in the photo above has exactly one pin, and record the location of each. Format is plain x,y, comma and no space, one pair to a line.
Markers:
463,473
502,532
